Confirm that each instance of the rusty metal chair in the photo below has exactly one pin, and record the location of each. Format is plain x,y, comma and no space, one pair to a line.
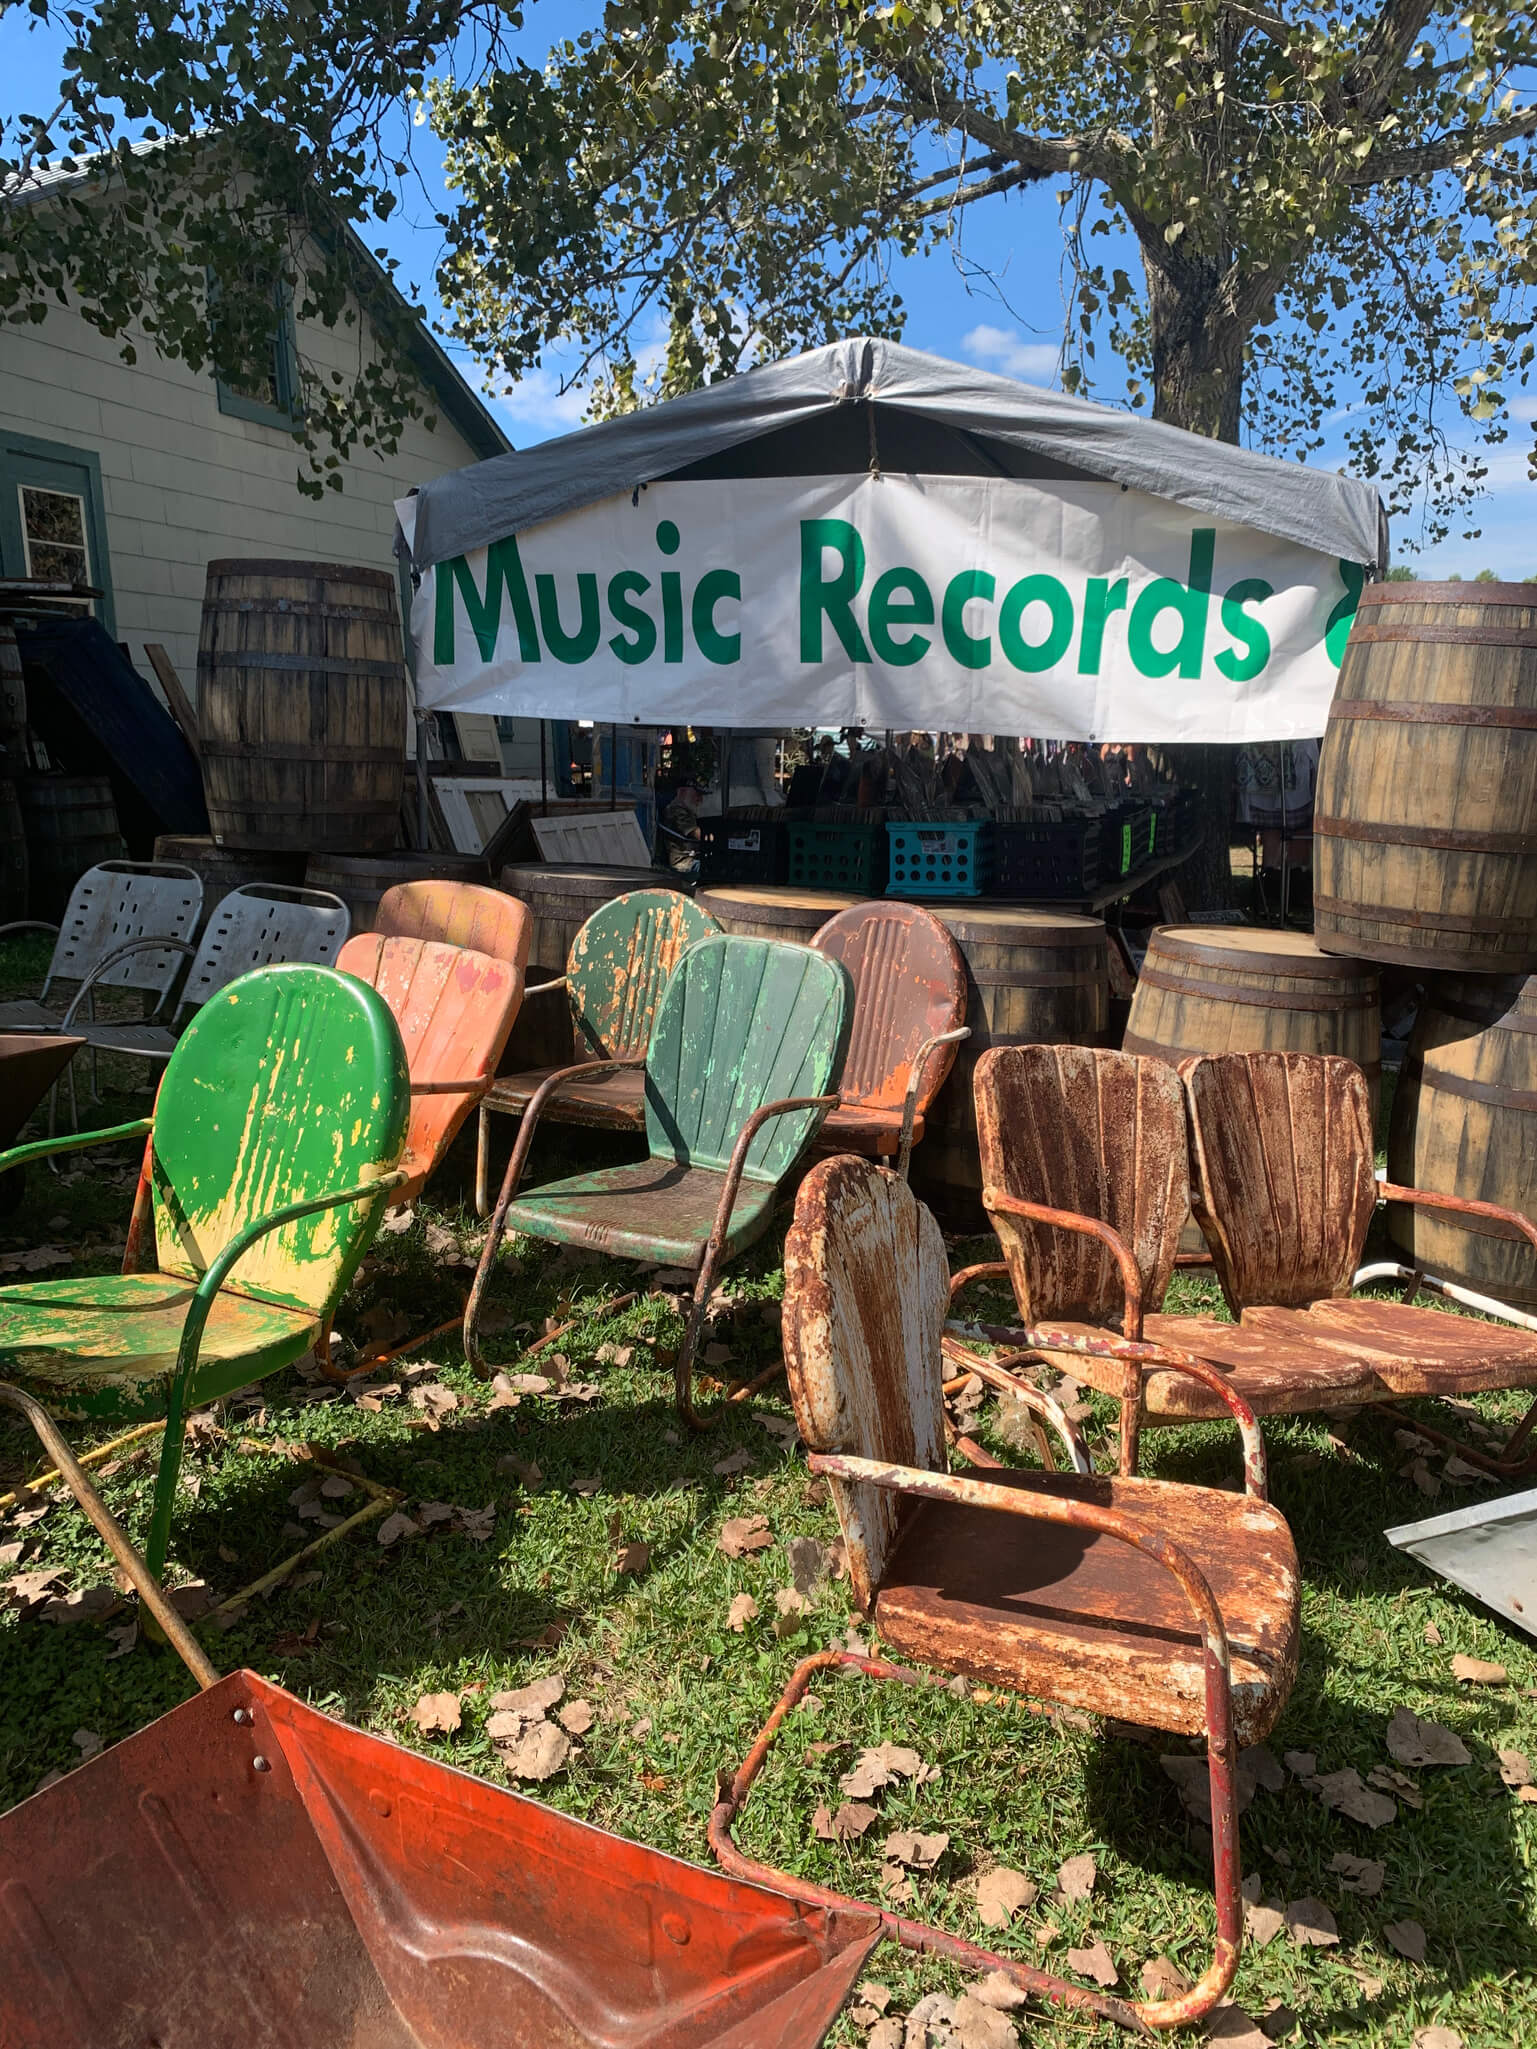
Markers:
455,1009
459,914
909,1016
615,974
1284,1190
1170,1606
744,1056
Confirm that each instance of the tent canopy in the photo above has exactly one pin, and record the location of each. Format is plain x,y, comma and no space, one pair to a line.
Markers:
836,407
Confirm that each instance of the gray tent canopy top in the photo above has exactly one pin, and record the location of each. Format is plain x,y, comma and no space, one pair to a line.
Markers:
862,402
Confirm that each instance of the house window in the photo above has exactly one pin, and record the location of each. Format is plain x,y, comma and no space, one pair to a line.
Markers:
53,534
270,394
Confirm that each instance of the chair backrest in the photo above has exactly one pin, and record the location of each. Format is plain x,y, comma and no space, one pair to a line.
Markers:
116,902
744,1022
1097,1133
263,922
619,965
866,1294
1284,1184
460,914
455,1009
291,1083
909,984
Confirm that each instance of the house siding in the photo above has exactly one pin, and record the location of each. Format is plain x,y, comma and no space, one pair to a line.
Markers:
184,483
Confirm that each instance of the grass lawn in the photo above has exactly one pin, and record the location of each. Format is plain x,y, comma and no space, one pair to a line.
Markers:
677,1692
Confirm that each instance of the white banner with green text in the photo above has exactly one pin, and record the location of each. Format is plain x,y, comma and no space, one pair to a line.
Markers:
1074,611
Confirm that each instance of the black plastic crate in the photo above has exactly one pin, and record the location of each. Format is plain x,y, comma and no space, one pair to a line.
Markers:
1126,840
743,850
1051,859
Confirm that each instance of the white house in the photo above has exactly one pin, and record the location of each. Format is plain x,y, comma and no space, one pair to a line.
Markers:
136,475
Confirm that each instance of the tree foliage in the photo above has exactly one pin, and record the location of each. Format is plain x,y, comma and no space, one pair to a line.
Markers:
1273,213
1332,205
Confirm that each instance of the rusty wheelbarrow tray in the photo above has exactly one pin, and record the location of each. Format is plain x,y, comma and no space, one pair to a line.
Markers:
248,1873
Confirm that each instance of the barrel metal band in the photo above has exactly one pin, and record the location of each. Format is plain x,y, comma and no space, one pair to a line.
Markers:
298,608
291,665
1320,967
1133,1042
1448,839
1264,999
1474,636
296,750
1486,1020
1403,713
1429,921
1491,1092
1026,978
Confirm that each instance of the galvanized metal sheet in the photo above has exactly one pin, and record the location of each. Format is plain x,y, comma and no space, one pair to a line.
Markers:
1490,1550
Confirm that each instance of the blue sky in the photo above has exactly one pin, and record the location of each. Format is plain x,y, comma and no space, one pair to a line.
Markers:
1014,326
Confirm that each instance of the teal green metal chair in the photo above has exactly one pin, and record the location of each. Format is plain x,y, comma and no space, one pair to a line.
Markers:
746,1051
272,1152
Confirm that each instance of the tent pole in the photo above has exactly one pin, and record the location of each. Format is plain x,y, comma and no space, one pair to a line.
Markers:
1280,751
544,781
613,769
421,782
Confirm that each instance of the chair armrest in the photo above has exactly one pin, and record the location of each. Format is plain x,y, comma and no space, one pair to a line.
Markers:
1390,1191
544,988
476,1086
1088,1227
1034,1399
1051,1508
27,925
536,1102
72,1142
914,1080
764,1114
111,960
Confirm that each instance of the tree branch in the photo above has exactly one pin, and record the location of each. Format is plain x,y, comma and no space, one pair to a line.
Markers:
1392,166
964,195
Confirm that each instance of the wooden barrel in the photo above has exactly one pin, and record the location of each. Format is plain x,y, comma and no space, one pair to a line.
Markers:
361,879
1033,977
13,856
13,705
302,706
1465,1123
1240,989
1425,819
563,898
767,911
71,824
225,868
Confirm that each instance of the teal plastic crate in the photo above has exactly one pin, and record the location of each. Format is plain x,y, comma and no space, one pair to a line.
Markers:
939,860
851,858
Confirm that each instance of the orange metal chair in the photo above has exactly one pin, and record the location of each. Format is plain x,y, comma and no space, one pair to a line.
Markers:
909,1016
1170,1606
455,1009
460,914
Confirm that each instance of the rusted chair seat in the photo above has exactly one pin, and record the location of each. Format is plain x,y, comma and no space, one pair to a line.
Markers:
1170,1606
615,974
909,1016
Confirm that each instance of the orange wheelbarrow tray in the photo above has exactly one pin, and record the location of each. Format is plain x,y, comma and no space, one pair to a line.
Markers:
247,1873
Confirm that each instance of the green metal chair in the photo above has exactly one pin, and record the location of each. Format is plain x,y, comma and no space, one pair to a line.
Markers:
273,1147
748,1044
615,974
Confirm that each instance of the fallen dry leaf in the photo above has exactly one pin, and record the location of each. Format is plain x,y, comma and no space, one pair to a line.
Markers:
533,1699
531,1475
917,1852
1163,1979
1436,2038
847,1825
1230,2024
1262,1924
538,1752
1345,1791
1408,1938
1412,1741
997,1990
1515,1770
1192,1779
437,1714
1076,1877
811,1562
1386,1780
1358,1874
633,1559
1310,1924
887,2034
743,1609
1478,1671
36,1260
396,1526
745,1534
737,1462
87,1742
1432,1634
83,1606
976,2025
1258,1765
1277,2021
882,1766
1302,1764
27,1587
433,1399
1094,1962
1002,1893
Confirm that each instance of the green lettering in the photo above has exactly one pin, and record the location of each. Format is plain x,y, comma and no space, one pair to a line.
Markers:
504,569
1043,654
714,585
623,589
835,598
570,647
1191,600
672,616
886,612
972,651
1251,636
1100,599
1337,626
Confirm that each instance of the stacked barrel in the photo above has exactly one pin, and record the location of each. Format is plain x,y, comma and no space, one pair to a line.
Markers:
1426,856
